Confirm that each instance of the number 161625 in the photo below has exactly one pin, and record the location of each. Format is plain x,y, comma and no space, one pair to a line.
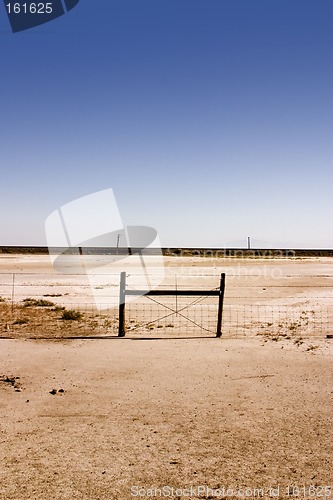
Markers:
30,8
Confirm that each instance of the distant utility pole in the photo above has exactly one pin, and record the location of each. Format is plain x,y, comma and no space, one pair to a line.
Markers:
248,243
118,238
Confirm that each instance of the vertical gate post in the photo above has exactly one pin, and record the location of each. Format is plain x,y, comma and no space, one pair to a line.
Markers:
219,314
122,295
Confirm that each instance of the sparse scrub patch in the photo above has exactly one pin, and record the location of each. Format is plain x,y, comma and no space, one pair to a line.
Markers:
71,315
107,323
21,321
25,319
289,329
29,302
312,347
93,324
58,308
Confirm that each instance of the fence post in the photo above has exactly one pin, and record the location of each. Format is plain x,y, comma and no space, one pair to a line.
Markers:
122,295
13,292
219,314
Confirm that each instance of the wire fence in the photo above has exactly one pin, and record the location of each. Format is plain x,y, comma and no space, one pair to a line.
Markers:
57,306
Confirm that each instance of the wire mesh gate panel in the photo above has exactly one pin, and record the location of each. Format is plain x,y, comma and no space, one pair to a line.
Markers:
173,312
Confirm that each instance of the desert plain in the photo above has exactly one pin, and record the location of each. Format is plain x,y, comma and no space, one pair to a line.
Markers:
167,412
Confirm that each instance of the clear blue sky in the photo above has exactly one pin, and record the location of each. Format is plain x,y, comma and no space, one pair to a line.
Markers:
210,119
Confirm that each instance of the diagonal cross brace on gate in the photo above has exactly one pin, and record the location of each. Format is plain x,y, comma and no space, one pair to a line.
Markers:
123,292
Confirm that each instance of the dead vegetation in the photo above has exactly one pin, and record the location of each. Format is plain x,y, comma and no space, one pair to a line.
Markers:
39,318
289,329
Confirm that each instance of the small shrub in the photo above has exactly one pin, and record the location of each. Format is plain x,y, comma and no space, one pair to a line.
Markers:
71,315
2,299
21,321
44,303
312,347
93,324
29,302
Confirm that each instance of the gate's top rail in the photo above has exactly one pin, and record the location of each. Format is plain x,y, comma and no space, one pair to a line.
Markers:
173,292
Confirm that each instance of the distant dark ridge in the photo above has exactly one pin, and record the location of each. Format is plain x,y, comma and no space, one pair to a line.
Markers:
247,253
19,250
181,252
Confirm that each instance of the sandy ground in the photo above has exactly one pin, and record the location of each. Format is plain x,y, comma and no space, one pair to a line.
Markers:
134,418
